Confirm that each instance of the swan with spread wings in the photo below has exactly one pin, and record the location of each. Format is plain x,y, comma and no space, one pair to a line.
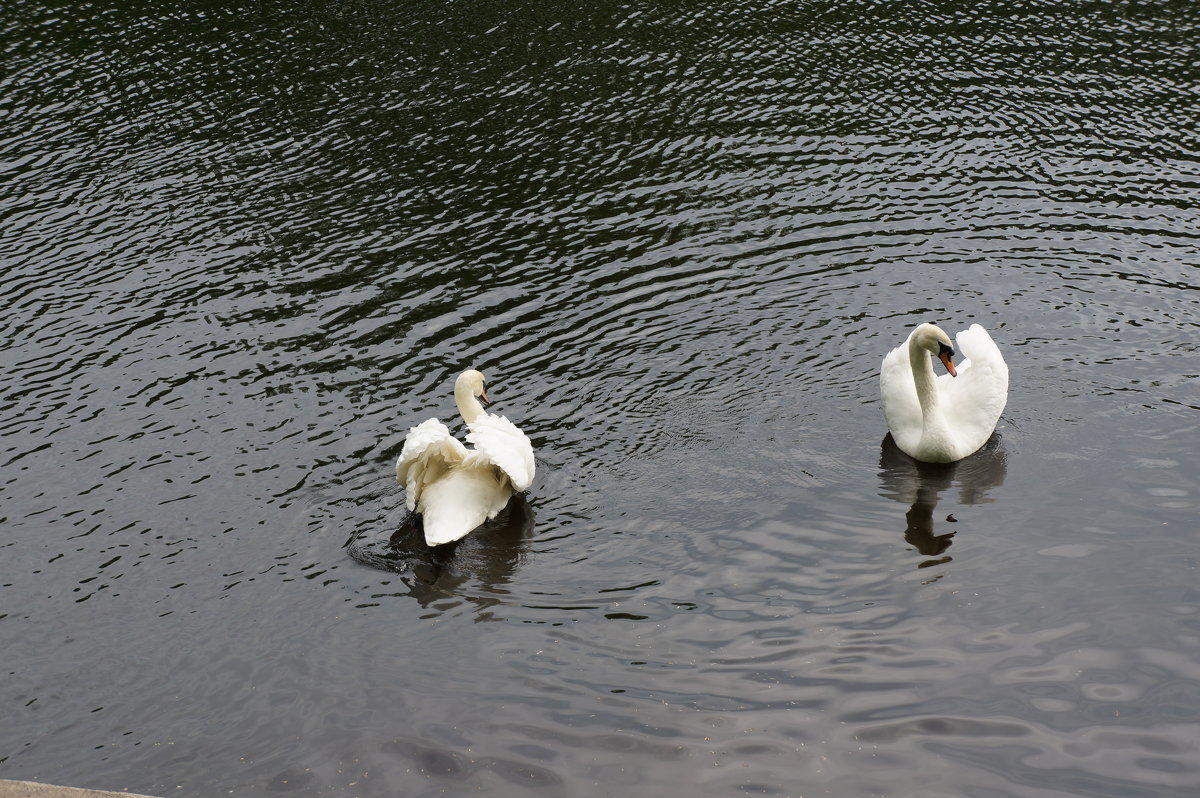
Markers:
455,489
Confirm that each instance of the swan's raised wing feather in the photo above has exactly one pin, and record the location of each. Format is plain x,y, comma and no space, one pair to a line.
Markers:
976,397
429,452
901,407
505,446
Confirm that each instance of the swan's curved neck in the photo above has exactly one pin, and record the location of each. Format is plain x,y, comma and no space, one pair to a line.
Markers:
923,377
468,406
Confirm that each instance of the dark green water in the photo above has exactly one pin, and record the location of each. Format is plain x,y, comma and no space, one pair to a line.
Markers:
243,250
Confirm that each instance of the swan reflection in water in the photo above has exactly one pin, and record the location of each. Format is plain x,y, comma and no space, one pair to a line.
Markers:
475,568
919,485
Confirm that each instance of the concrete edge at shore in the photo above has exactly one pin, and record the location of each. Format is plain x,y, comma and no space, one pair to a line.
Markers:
33,789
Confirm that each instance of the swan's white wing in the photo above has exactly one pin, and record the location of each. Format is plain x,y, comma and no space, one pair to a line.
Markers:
975,398
901,407
429,452
503,444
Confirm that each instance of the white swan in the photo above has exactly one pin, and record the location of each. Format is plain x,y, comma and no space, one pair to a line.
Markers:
455,489
940,419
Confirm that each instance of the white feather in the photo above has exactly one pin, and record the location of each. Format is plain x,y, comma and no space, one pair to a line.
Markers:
504,445
429,453
976,397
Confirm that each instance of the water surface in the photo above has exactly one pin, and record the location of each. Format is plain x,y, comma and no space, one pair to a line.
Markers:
244,250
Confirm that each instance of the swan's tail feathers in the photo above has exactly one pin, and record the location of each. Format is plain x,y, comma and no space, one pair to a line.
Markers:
446,524
452,507
429,452
503,444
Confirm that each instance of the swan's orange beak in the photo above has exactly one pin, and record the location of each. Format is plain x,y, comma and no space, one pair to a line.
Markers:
483,396
945,356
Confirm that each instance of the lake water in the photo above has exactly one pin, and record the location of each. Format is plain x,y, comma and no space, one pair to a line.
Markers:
245,249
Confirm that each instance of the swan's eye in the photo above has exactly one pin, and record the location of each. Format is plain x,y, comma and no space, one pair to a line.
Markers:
945,350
